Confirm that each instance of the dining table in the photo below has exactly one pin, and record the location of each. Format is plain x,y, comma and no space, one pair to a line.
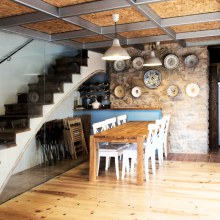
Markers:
130,132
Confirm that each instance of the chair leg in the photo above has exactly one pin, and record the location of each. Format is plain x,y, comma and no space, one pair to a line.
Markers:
116,167
146,169
133,160
165,148
124,161
153,164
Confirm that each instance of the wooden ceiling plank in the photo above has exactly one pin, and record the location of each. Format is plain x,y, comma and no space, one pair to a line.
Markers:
28,33
52,26
127,15
184,7
9,8
148,12
64,3
92,7
83,23
96,38
40,6
24,19
197,27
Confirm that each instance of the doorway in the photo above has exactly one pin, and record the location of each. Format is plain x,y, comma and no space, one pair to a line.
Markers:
214,95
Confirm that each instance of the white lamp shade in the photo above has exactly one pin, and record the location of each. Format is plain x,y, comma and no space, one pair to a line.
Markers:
116,52
152,60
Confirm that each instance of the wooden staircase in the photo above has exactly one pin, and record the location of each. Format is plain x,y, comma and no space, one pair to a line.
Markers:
30,105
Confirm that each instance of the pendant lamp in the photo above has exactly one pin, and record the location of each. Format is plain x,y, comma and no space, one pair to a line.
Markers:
116,52
153,60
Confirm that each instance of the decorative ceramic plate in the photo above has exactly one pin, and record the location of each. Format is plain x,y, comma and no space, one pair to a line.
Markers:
192,90
172,90
119,65
119,91
33,97
152,79
136,92
191,61
138,63
171,61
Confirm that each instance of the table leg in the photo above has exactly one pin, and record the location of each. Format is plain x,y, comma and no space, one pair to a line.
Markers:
140,142
92,159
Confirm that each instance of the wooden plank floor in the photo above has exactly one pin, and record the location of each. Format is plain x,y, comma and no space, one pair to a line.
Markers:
179,190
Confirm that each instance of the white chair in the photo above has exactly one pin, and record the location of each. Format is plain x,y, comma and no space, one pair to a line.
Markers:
121,119
161,123
107,150
150,149
166,129
129,153
110,122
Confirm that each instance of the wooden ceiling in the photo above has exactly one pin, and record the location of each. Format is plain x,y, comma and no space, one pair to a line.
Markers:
88,24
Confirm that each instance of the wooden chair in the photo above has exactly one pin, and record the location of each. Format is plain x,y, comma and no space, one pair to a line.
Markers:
107,150
121,119
78,143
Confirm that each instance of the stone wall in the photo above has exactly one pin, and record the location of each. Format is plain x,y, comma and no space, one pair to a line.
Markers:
189,116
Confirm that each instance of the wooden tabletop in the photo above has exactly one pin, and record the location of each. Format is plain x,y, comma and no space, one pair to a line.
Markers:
129,130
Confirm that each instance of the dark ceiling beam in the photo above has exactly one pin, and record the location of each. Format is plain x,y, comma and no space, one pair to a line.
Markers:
40,6
198,34
129,27
24,19
98,45
138,2
70,43
203,43
191,19
150,14
146,40
92,7
28,33
72,34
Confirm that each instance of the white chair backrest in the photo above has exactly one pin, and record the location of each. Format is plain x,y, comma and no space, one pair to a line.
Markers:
110,123
121,119
152,138
167,123
162,127
99,127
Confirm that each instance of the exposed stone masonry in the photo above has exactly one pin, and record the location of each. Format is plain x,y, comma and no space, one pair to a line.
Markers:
189,116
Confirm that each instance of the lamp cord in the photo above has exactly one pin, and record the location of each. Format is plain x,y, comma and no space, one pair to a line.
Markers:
115,31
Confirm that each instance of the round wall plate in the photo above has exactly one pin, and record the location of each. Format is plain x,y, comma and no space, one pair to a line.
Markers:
136,92
192,90
119,65
119,91
172,90
138,63
152,79
171,61
191,61
33,97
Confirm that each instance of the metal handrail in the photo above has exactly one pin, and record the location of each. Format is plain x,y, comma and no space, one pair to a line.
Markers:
15,51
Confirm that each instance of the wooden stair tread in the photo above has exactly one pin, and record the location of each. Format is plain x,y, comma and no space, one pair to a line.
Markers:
14,130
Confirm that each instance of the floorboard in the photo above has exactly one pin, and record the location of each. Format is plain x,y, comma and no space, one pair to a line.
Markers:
179,190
